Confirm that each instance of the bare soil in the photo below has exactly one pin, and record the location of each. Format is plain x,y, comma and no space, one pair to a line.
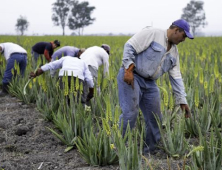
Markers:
26,143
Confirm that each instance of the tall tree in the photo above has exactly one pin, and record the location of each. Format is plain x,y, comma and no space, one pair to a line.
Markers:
61,9
195,15
81,16
22,25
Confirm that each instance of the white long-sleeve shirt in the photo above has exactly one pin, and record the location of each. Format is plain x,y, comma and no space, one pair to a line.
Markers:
96,56
71,66
9,48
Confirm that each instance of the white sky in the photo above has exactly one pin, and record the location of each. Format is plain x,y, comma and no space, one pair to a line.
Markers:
113,16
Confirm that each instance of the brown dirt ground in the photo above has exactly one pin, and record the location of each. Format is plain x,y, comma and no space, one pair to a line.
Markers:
26,143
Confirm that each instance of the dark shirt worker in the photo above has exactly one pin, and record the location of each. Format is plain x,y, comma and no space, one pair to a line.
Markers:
44,48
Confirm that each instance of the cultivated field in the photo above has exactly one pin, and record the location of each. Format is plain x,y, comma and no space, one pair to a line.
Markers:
194,143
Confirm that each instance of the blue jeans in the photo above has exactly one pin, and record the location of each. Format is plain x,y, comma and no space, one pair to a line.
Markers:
35,57
145,96
21,59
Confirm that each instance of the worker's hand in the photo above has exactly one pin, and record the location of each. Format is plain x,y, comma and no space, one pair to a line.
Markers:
37,73
90,94
128,75
32,75
185,108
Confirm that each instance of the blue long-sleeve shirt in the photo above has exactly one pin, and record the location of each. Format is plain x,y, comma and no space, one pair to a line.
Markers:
65,51
148,51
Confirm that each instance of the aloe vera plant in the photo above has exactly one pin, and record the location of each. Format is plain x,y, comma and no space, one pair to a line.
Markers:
96,147
173,138
211,156
16,89
130,149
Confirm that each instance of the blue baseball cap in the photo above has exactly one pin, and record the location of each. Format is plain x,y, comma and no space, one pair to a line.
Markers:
185,26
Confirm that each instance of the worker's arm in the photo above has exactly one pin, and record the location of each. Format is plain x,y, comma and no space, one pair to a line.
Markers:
49,66
47,56
178,88
37,73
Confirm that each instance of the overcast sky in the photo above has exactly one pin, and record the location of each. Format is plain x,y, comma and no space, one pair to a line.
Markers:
112,16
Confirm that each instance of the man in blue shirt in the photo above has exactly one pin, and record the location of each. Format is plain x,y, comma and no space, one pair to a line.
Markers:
148,55
67,51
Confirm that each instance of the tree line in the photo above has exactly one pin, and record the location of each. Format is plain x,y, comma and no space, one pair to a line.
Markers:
72,13
77,15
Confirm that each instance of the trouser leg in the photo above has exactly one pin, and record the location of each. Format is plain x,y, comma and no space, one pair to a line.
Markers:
129,101
8,71
7,76
150,106
23,64
94,73
35,57
85,91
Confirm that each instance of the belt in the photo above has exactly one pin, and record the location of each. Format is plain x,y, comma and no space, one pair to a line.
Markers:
142,76
139,75
19,53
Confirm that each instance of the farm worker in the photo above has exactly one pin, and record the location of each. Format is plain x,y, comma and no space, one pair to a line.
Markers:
94,57
72,66
46,48
12,53
66,51
148,55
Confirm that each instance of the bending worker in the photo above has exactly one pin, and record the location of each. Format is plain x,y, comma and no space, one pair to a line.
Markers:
12,52
44,48
66,51
148,55
94,57
72,66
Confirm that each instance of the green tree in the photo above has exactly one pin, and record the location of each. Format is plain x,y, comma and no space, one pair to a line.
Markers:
195,15
61,9
22,25
81,16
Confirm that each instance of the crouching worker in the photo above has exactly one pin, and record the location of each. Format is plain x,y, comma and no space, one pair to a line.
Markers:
12,52
65,51
74,68
95,57
43,48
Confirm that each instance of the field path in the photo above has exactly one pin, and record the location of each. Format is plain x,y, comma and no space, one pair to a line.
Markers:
26,143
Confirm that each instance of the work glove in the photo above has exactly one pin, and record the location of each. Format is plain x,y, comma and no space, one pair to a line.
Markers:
90,94
128,75
185,108
37,73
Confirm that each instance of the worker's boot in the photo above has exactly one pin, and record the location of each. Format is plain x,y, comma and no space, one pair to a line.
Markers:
4,91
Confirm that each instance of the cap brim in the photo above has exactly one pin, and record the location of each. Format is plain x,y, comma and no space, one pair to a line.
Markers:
189,35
